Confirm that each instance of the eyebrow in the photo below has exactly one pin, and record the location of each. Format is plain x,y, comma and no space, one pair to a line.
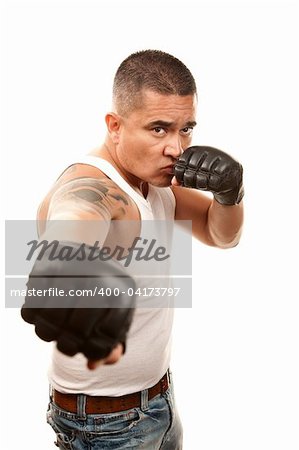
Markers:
165,124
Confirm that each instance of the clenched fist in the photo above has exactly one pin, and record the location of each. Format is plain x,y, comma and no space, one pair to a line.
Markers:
210,169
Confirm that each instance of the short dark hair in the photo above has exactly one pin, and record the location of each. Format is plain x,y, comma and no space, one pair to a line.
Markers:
152,70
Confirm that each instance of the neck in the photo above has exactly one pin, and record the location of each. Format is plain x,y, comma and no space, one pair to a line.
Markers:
106,151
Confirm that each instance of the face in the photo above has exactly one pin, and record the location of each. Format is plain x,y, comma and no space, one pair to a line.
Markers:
150,139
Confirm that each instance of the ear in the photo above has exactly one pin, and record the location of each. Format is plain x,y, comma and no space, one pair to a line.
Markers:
113,122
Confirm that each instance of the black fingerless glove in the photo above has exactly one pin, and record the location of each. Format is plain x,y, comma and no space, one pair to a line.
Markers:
210,169
90,324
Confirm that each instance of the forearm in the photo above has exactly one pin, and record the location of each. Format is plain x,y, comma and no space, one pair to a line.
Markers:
209,169
225,224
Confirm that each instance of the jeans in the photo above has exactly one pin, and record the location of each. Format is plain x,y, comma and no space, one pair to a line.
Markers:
154,425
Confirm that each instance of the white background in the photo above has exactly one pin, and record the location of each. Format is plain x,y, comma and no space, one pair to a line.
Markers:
235,357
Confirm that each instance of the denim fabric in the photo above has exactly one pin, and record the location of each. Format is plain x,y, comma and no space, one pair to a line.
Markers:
154,425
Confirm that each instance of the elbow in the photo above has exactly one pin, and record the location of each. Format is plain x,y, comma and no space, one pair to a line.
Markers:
228,245
225,242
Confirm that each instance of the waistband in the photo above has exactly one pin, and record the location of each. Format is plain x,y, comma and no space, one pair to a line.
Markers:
106,405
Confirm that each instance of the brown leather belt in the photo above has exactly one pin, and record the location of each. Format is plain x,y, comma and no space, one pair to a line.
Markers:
106,405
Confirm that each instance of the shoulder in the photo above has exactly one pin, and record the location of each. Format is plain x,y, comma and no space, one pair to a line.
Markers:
85,184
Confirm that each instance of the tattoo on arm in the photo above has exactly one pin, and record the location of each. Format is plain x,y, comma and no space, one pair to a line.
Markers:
87,198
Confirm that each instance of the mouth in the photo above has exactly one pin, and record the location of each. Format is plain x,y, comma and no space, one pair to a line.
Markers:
169,169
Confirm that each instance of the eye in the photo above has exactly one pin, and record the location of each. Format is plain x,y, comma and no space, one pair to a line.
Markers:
187,131
159,131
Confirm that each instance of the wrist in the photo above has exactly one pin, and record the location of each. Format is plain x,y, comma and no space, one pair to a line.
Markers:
225,224
230,198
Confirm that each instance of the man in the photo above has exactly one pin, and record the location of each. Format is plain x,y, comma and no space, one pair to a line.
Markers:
122,397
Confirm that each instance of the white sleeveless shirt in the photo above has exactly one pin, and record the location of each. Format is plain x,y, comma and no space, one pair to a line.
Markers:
148,343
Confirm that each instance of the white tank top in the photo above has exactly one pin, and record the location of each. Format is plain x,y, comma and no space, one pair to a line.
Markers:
148,344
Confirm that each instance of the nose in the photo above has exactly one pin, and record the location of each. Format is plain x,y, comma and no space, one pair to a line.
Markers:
173,148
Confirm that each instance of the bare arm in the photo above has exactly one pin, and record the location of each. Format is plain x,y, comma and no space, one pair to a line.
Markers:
216,221
225,224
81,210
80,201
212,223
